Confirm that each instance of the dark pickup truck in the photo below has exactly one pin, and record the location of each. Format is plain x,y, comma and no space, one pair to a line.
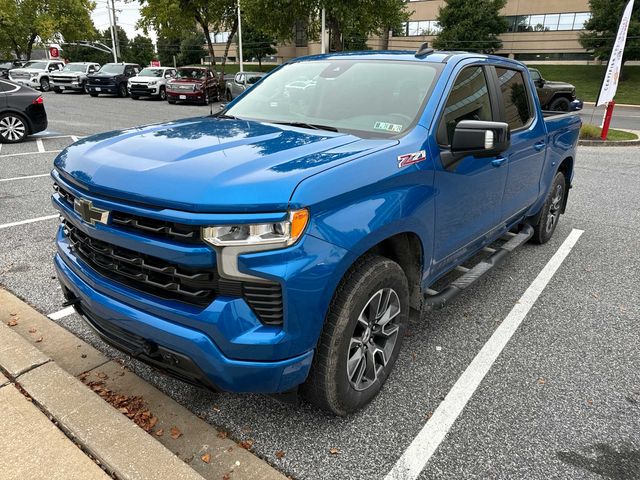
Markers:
280,244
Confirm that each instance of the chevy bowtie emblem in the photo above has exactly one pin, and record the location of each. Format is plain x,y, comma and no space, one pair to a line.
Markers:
89,213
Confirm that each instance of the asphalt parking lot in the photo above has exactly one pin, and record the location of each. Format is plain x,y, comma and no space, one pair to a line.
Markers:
562,400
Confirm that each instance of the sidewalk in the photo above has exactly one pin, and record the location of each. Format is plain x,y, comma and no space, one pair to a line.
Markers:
56,424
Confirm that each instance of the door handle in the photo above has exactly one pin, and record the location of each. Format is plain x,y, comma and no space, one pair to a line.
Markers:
496,162
539,146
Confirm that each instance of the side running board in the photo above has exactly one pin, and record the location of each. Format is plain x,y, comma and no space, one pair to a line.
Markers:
437,300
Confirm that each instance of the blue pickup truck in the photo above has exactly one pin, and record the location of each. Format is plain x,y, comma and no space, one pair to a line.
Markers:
279,245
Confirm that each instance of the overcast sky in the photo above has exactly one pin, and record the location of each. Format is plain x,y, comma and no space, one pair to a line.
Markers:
127,15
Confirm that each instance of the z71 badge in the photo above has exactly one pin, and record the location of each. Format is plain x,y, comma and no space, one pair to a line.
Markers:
411,158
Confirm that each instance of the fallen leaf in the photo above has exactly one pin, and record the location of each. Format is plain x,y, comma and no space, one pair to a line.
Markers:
594,295
334,451
222,434
12,323
216,408
541,381
589,402
429,414
84,355
160,432
32,330
280,454
206,458
226,476
246,444
152,422
175,433
39,339
229,449
102,375
13,314
123,410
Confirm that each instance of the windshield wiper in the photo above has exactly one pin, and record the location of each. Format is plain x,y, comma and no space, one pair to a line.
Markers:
224,115
312,126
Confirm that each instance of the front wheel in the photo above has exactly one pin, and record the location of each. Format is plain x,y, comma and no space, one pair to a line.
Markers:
122,90
45,86
85,88
229,96
560,105
163,94
93,94
550,214
361,338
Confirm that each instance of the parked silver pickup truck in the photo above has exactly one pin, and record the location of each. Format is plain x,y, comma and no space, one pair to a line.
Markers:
73,77
241,82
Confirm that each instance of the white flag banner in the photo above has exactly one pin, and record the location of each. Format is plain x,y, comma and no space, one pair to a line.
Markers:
610,82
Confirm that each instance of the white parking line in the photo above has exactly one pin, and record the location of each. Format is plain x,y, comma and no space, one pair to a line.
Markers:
65,312
74,138
24,177
31,220
425,444
28,153
40,145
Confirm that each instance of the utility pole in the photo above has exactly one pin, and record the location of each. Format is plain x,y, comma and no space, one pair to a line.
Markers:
113,35
240,38
115,28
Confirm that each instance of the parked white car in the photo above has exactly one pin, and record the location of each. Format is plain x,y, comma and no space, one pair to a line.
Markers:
73,77
151,82
36,73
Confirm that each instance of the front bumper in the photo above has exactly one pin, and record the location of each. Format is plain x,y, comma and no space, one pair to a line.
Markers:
27,82
75,86
144,90
103,88
175,349
185,96
576,105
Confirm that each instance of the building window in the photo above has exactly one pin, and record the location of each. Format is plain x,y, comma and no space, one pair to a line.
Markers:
422,27
549,22
301,34
220,37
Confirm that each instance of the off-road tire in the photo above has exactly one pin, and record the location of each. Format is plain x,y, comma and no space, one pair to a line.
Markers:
328,385
560,104
544,228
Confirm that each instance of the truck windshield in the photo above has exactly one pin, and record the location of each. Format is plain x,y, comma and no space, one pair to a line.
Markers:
151,72
36,65
74,67
190,74
382,98
112,68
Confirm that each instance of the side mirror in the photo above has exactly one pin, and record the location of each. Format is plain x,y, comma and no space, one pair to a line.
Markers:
540,82
479,138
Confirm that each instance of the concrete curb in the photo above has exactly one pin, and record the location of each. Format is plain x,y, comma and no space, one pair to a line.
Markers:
124,448
621,143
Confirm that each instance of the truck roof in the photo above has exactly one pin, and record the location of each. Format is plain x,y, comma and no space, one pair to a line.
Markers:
435,56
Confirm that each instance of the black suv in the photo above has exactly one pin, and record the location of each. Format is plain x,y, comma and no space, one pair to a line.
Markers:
6,65
112,78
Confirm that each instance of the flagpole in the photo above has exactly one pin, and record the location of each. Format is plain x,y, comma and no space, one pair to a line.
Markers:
240,38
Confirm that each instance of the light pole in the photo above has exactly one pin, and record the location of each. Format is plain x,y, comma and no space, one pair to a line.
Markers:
240,38
323,41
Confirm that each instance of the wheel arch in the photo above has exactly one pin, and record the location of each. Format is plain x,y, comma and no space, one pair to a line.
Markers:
566,167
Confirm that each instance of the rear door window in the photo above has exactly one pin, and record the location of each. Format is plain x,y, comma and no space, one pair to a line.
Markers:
517,101
468,100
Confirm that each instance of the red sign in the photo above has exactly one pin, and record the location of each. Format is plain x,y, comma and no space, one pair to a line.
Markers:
155,63
54,52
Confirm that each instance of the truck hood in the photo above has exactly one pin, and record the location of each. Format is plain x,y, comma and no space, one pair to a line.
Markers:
559,85
138,79
27,70
104,75
68,74
208,164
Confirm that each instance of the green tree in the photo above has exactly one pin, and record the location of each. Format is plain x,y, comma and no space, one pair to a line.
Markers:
140,50
602,28
350,22
191,49
176,16
168,46
23,22
472,25
257,44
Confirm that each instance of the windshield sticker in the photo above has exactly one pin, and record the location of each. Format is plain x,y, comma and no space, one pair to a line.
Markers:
411,158
389,127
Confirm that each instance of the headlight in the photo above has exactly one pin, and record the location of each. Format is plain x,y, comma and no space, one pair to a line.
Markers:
33,75
152,83
280,234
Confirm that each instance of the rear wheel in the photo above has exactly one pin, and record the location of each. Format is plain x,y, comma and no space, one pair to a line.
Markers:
560,104
57,90
134,97
44,85
361,338
13,128
550,214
